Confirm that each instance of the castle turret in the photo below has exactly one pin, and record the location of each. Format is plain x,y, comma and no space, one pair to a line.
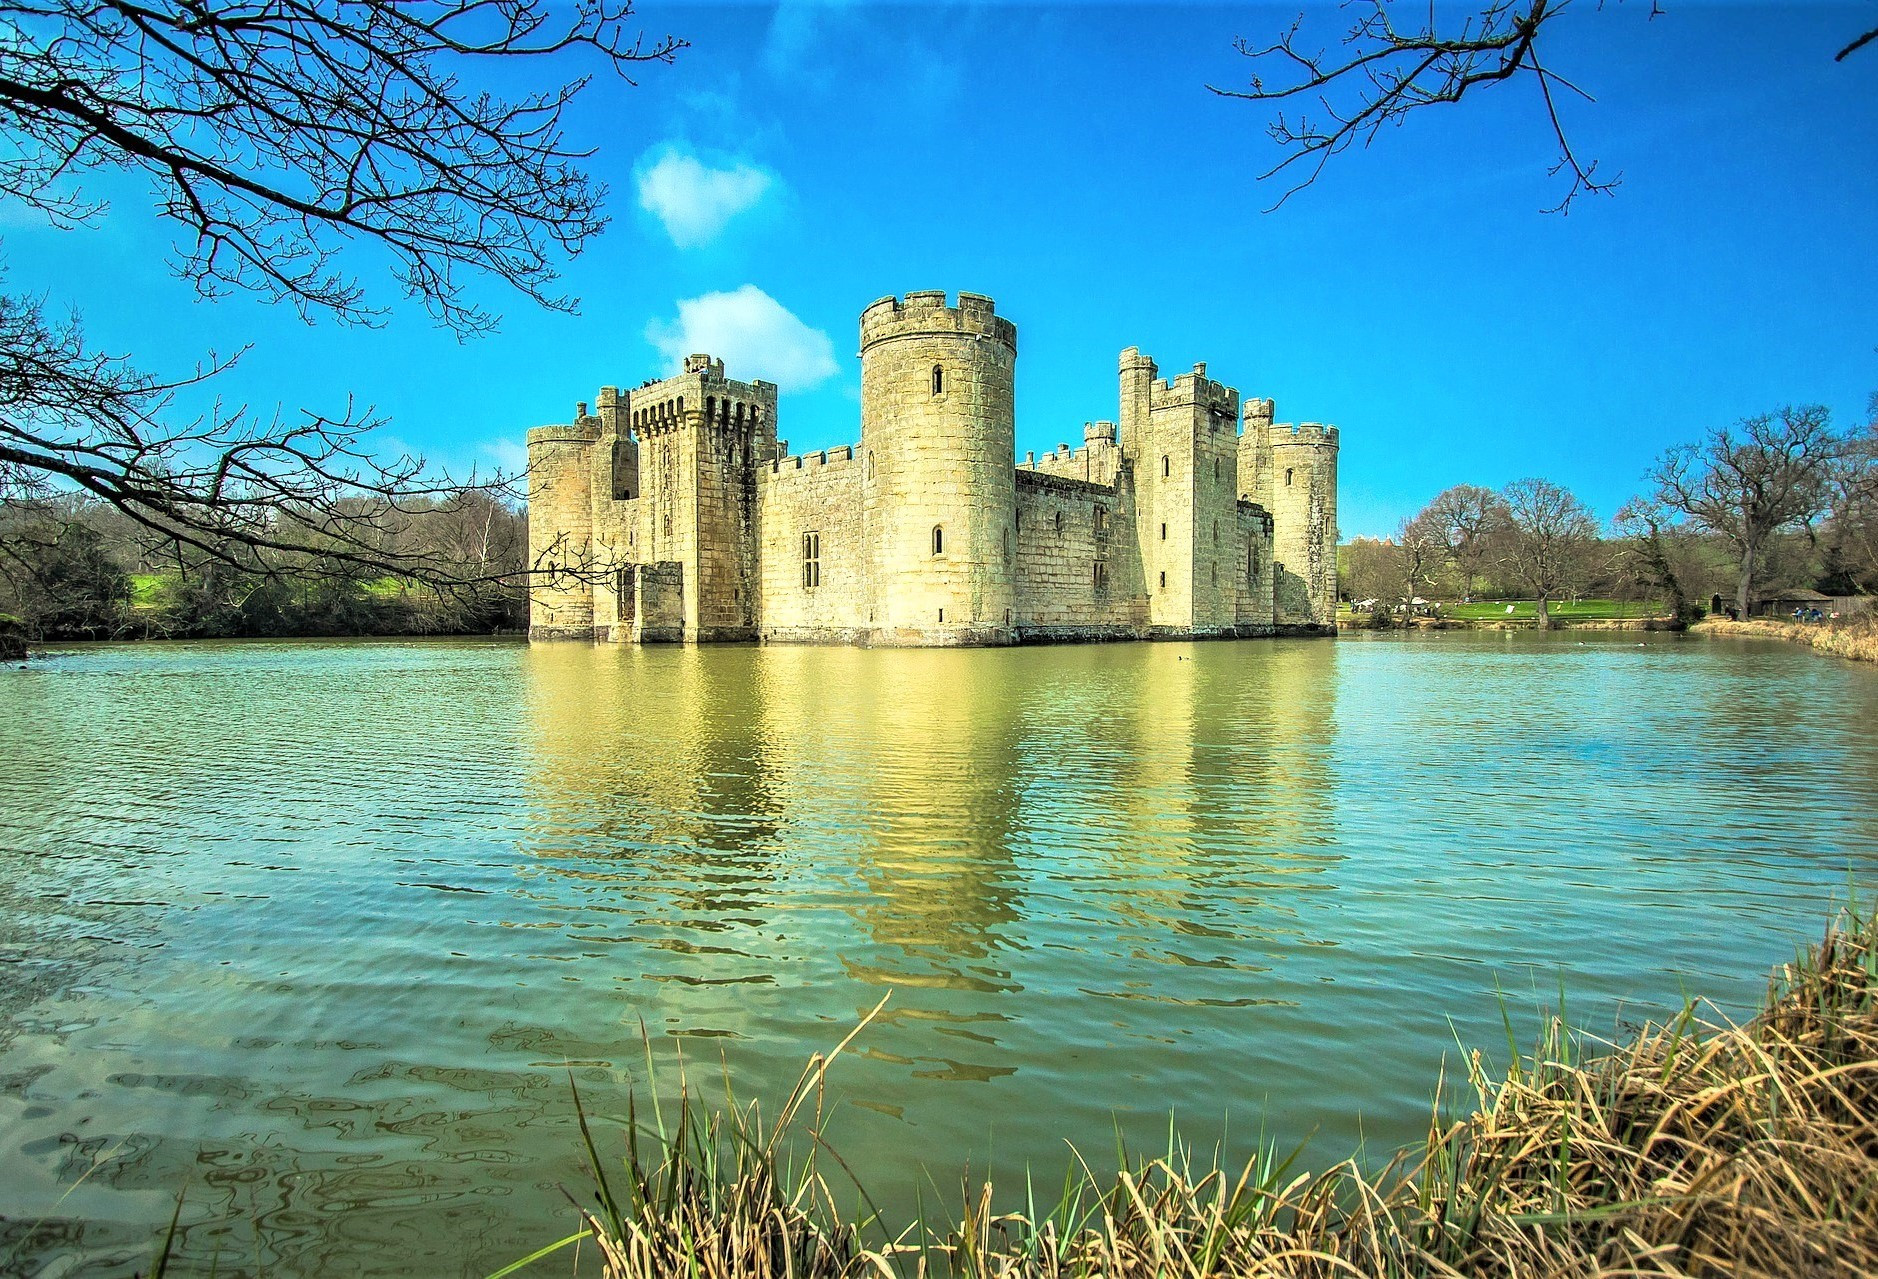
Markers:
560,529
1182,440
1137,376
938,430
1302,497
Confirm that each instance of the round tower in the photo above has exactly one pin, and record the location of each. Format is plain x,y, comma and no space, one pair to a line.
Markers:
1303,488
938,434
560,530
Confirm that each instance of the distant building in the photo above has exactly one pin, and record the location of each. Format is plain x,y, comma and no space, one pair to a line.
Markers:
674,513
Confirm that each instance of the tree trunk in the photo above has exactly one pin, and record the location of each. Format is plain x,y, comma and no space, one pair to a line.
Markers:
1744,591
1545,618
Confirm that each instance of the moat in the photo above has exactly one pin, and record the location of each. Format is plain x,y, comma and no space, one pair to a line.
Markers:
317,930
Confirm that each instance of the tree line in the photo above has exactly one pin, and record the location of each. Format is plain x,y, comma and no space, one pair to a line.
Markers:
1775,501
76,568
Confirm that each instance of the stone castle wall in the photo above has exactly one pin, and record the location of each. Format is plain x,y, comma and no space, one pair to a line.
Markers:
938,425
675,513
819,495
1303,501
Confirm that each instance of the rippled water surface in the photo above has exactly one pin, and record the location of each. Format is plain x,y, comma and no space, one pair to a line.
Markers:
318,930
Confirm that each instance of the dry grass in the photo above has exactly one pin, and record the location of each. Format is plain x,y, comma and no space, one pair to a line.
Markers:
1693,1149
1855,638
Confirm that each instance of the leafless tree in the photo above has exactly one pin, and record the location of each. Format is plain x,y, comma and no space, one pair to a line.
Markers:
274,133
1368,568
1420,552
1550,538
1466,518
1749,482
1854,522
1396,59
1659,552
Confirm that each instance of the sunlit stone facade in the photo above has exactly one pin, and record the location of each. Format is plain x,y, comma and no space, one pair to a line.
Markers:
674,513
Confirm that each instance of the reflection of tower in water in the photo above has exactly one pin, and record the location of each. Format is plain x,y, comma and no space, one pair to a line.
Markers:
651,764
929,738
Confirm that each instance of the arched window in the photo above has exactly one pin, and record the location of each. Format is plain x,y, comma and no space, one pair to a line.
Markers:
811,560
1059,521
938,380
1287,476
938,539
1167,466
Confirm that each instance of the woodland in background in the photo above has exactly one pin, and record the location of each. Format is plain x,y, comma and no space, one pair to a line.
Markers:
74,568
1772,503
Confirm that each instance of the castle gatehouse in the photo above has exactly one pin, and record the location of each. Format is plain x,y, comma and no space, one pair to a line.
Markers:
673,513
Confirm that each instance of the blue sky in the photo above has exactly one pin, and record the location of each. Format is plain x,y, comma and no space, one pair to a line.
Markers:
798,162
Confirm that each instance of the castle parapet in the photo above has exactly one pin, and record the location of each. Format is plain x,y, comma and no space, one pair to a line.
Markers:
926,312
585,431
1305,434
1197,389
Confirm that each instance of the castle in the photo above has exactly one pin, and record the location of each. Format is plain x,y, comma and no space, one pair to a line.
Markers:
674,513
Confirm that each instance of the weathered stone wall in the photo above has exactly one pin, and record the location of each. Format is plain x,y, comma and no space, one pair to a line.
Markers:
1252,573
1066,528
560,530
674,513
1186,474
1303,503
937,431
820,494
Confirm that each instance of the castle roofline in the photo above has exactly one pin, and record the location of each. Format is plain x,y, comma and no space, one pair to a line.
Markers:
585,431
925,312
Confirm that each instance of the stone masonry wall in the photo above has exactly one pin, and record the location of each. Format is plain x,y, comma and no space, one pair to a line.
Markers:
937,432
560,531
674,513
819,494
1065,529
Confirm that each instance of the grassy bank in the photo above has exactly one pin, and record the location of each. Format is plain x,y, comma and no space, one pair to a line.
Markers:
1856,639
1694,1148
1516,615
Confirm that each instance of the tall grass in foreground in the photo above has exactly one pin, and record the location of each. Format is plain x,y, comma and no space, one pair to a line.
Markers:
1855,638
1695,1148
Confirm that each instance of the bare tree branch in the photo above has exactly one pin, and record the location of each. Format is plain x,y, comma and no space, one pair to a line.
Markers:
229,485
1382,72
276,131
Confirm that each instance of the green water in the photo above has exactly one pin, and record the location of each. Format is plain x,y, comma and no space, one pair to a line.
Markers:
318,930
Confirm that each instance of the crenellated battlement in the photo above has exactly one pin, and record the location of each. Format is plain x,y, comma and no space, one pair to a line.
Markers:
585,431
822,459
1304,435
1194,389
927,312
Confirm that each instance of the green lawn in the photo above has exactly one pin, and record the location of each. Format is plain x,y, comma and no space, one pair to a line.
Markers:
1585,610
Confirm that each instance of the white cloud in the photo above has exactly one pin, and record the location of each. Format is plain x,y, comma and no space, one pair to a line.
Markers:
753,333
693,200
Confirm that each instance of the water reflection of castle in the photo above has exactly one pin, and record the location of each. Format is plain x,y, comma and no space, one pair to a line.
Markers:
918,796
